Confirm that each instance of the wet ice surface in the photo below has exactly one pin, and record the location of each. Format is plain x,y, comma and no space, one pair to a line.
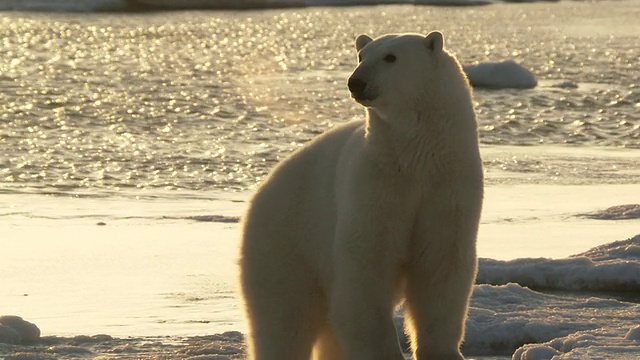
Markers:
165,277
503,319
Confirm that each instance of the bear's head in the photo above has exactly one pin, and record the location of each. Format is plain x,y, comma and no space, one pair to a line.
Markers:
395,70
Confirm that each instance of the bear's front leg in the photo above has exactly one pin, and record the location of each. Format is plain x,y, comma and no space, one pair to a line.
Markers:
439,286
435,314
362,294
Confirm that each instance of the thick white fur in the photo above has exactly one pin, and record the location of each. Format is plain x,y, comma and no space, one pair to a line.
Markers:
371,213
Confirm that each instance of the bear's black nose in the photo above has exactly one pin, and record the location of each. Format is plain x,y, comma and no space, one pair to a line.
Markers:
356,86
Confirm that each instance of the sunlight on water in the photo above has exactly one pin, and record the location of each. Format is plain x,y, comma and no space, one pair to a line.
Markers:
213,100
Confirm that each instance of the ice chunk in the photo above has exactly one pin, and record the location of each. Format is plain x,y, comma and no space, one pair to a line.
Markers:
500,75
610,267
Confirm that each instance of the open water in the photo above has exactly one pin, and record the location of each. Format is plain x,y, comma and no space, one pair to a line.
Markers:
212,100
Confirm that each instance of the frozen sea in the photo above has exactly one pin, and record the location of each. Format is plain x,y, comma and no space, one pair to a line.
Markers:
131,143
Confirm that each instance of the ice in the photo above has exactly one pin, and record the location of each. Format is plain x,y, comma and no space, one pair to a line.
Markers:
26,332
500,75
633,334
611,267
575,325
619,212
507,317
512,319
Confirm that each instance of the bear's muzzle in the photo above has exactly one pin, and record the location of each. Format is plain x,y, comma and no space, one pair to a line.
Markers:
358,89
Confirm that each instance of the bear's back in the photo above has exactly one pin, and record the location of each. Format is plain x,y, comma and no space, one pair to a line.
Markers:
299,193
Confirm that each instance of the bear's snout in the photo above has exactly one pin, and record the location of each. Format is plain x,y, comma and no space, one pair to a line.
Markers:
356,86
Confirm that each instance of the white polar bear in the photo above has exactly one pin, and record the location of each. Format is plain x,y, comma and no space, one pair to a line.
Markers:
371,213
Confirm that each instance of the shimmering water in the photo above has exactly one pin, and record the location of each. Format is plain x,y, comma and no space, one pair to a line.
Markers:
212,100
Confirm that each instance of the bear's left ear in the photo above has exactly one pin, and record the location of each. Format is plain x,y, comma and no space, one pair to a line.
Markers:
362,41
434,41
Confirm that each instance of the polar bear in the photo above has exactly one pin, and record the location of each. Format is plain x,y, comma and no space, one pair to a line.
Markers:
370,214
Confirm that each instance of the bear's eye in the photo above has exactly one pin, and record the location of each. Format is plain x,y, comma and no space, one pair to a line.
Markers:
390,58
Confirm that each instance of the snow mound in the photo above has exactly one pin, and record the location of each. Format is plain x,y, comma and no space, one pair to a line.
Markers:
611,267
619,212
511,319
508,318
598,344
14,329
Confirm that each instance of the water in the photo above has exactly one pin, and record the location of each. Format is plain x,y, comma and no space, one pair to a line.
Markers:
212,100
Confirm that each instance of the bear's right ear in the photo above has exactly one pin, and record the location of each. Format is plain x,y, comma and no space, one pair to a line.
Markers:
362,41
434,41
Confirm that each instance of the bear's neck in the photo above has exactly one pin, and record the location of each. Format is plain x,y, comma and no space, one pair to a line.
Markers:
441,133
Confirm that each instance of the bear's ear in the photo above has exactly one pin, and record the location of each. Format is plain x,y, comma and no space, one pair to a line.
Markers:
362,40
434,41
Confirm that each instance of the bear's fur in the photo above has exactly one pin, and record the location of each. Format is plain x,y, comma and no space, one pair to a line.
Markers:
369,214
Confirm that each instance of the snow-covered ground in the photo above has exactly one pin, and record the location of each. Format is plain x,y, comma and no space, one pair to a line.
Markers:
539,326
597,315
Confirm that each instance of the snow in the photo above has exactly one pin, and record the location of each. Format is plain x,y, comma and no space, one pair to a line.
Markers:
590,311
611,267
509,318
26,332
513,320
573,325
618,212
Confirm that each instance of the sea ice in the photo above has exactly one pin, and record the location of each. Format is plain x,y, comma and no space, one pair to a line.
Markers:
25,331
618,212
500,75
8,335
511,319
610,267
508,317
